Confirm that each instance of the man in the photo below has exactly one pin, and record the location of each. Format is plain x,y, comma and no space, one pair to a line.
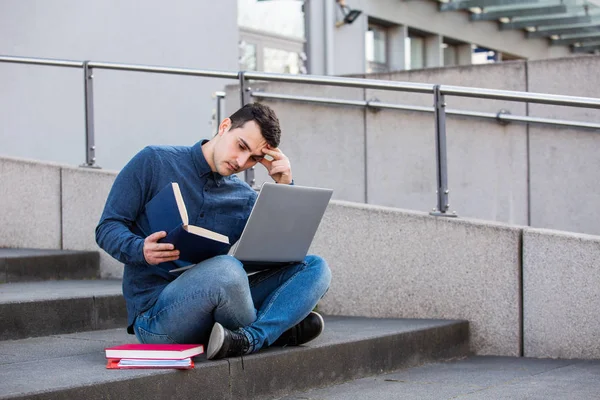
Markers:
215,301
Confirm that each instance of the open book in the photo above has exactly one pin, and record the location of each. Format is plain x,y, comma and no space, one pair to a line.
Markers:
167,212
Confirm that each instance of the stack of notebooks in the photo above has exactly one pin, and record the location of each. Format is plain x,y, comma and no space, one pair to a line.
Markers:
178,356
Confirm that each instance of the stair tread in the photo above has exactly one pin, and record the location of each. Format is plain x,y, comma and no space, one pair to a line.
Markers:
25,252
60,362
52,290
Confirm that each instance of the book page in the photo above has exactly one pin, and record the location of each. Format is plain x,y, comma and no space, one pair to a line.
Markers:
196,230
180,203
128,362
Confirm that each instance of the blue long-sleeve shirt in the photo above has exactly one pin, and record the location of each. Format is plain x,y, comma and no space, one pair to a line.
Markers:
221,204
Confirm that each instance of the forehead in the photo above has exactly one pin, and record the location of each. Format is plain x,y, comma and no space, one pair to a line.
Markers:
250,133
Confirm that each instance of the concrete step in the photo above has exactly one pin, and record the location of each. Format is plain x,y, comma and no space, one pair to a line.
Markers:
73,366
23,265
30,309
474,378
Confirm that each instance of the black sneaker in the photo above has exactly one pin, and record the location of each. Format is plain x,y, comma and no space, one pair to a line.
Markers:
225,343
305,331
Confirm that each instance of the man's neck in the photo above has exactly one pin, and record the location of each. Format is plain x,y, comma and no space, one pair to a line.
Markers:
207,151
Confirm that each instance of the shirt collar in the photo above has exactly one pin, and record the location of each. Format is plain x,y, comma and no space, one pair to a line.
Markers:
201,164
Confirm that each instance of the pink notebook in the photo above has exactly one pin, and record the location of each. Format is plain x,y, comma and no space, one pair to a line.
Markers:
155,351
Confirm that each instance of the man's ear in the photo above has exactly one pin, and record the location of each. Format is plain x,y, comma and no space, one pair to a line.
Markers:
224,126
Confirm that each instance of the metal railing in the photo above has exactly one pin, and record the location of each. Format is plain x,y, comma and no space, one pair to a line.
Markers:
502,115
438,91
439,109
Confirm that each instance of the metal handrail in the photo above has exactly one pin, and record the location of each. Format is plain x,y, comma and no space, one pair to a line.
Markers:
463,91
541,98
42,61
438,91
163,70
376,104
341,81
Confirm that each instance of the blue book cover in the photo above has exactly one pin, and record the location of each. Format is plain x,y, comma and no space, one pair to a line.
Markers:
166,212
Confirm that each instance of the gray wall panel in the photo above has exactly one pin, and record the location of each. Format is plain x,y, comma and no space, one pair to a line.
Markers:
560,296
565,162
487,161
349,47
401,160
393,263
89,188
30,213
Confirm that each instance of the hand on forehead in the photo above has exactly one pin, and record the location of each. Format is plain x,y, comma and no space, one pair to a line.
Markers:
272,153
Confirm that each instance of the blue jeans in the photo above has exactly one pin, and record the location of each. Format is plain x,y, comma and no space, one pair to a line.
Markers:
264,304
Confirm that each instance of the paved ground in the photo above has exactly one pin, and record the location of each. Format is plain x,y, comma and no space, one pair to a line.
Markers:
474,378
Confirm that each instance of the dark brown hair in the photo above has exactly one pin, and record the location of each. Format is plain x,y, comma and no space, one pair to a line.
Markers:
264,116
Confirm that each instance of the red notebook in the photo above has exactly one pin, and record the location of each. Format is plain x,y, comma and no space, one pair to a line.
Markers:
155,351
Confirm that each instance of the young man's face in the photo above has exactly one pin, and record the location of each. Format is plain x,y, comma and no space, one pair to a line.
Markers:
238,149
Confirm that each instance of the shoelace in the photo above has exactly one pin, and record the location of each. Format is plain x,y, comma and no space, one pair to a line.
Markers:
245,345
238,341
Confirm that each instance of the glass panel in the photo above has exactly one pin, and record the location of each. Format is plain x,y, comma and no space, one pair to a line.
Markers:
417,53
375,45
450,56
279,17
281,61
247,56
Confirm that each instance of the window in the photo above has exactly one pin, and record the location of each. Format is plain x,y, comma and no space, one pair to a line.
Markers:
272,36
281,61
376,49
262,51
247,56
285,18
415,52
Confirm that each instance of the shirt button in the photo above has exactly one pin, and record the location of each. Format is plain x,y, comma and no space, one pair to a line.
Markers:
201,215
206,189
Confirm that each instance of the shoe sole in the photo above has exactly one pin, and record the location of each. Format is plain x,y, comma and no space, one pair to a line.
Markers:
322,325
217,335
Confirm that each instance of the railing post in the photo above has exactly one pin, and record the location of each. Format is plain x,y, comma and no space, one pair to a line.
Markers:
439,106
249,176
90,144
220,97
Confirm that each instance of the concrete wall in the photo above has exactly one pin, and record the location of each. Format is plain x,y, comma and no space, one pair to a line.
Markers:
30,204
54,206
524,291
487,162
565,162
90,188
393,263
560,294
349,47
41,108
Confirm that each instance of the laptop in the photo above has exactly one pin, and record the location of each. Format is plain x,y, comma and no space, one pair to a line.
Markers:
281,226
